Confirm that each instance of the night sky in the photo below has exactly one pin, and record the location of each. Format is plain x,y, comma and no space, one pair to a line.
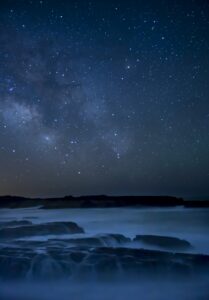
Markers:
104,97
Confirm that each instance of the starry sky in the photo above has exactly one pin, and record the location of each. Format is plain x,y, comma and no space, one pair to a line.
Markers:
104,97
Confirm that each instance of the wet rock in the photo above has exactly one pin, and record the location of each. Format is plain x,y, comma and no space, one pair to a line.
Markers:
181,269
165,242
89,241
84,271
102,262
103,240
110,239
40,229
13,264
95,241
107,267
45,267
15,223
77,257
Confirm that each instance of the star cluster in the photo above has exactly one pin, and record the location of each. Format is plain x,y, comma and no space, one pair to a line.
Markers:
104,97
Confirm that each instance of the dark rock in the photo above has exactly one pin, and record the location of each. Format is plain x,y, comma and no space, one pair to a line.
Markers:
40,229
15,223
89,241
107,266
77,256
119,238
96,241
163,241
84,271
102,262
14,267
44,266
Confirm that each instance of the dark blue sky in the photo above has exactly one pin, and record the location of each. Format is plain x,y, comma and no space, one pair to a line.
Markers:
104,97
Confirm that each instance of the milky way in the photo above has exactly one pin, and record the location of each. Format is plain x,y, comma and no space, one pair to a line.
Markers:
104,97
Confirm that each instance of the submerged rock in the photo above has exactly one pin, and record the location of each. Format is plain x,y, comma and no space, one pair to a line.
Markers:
40,229
166,242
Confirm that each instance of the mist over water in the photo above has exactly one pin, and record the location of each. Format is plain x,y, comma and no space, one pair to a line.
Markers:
46,261
191,224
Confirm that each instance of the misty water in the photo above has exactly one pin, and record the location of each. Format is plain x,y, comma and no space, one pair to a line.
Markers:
42,258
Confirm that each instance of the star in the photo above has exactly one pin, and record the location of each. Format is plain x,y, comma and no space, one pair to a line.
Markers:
115,90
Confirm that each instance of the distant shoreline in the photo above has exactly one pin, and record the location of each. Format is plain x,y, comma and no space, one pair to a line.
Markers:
100,201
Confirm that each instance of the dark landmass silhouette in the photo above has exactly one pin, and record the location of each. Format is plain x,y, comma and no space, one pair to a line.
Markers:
102,201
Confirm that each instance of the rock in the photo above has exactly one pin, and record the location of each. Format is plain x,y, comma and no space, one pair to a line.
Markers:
13,265
165,242
102,262
15,223
44,266
113,239
119,238
89,241
40,229
95,241
107,266
77,256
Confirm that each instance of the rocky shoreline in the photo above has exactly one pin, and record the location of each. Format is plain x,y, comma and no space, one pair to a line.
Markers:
102,256
98,262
